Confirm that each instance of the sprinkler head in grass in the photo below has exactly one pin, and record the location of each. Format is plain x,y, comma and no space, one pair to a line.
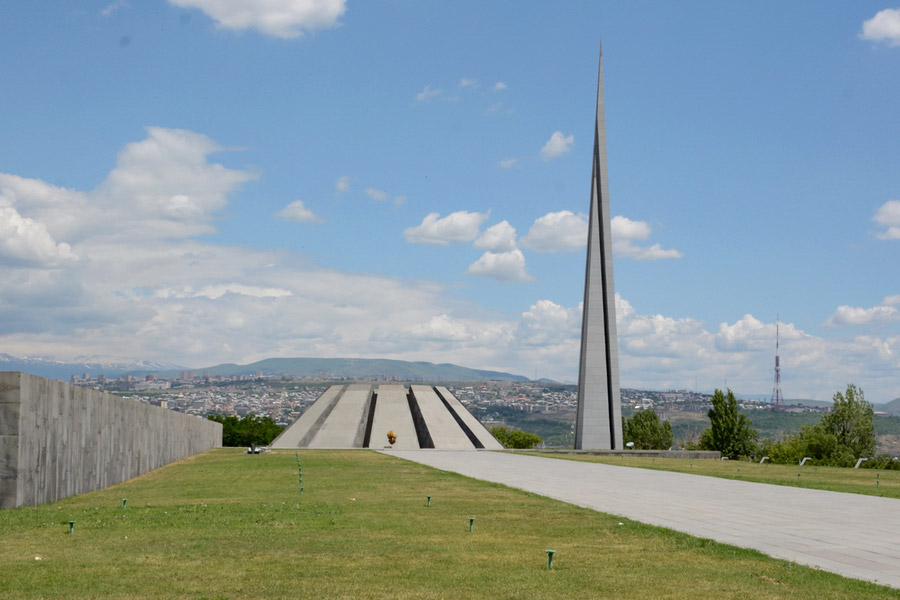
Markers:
471,523
550,554
71,527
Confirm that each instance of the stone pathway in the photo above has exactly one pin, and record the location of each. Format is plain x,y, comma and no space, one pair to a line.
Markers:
850,534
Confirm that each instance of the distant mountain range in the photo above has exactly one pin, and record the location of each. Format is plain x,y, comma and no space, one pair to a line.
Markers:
365,368
892,407
92,365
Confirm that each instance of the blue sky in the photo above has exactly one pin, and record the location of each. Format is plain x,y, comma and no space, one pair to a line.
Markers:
202,181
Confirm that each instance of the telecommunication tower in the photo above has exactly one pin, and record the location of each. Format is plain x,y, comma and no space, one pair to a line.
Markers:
777,399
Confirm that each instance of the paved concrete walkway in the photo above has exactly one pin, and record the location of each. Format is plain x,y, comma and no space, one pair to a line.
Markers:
853,535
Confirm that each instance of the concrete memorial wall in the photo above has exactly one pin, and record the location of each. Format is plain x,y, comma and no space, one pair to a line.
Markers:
57,440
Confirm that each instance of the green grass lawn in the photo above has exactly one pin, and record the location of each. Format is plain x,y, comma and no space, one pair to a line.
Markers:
227,525
870,482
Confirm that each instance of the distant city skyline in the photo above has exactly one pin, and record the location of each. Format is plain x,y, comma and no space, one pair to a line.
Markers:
197,182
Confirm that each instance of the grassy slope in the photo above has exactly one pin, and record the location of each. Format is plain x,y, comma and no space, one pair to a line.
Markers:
227,525
870,482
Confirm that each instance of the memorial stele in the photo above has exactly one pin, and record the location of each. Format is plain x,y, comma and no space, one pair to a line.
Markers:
598,424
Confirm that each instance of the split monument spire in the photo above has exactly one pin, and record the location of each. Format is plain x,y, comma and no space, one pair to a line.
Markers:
598,423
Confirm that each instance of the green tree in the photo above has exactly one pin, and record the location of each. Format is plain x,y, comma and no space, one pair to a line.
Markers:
851,421
647,431
729,432
247,431
513,438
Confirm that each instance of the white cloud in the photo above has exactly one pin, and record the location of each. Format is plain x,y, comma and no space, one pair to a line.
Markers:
888,215
428,94
168,185
499,86
399,201
547,324
26,241
497,238
624,228
561,231
565,231
883,27
162,187
501,266
376,194
342,184
855,316
278,18
461,226
296,211
508,163
627,249
466,82
557,145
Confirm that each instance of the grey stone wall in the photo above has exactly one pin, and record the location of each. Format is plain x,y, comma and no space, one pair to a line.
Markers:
57,440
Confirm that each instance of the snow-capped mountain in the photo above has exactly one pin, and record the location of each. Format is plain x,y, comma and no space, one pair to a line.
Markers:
47,366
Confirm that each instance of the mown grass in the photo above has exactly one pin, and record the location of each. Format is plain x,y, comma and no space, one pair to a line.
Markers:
227,525
871,482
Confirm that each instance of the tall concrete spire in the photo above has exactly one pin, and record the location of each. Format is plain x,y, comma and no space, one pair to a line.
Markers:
599,420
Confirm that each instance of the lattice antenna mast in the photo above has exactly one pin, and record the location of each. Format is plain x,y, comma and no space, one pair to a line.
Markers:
777,398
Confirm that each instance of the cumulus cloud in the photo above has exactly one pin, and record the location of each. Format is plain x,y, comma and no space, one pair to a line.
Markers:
278,18
464,82
26,241
888,215
461,226
548,324
162,187
497,238
565,231
508,163
171,187
557,145
883,27
624,228
342,184
499,86
501,266
625,231
854,316
428,94
296,211
562,231
627,249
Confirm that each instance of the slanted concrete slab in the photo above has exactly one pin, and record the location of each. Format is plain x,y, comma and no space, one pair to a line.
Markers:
345,427
392,414
849,534
304,429
444,430
488,442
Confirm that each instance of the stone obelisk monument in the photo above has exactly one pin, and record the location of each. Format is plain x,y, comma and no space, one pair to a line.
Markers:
599,420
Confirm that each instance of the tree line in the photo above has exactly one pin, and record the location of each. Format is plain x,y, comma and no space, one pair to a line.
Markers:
842,436
247,431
